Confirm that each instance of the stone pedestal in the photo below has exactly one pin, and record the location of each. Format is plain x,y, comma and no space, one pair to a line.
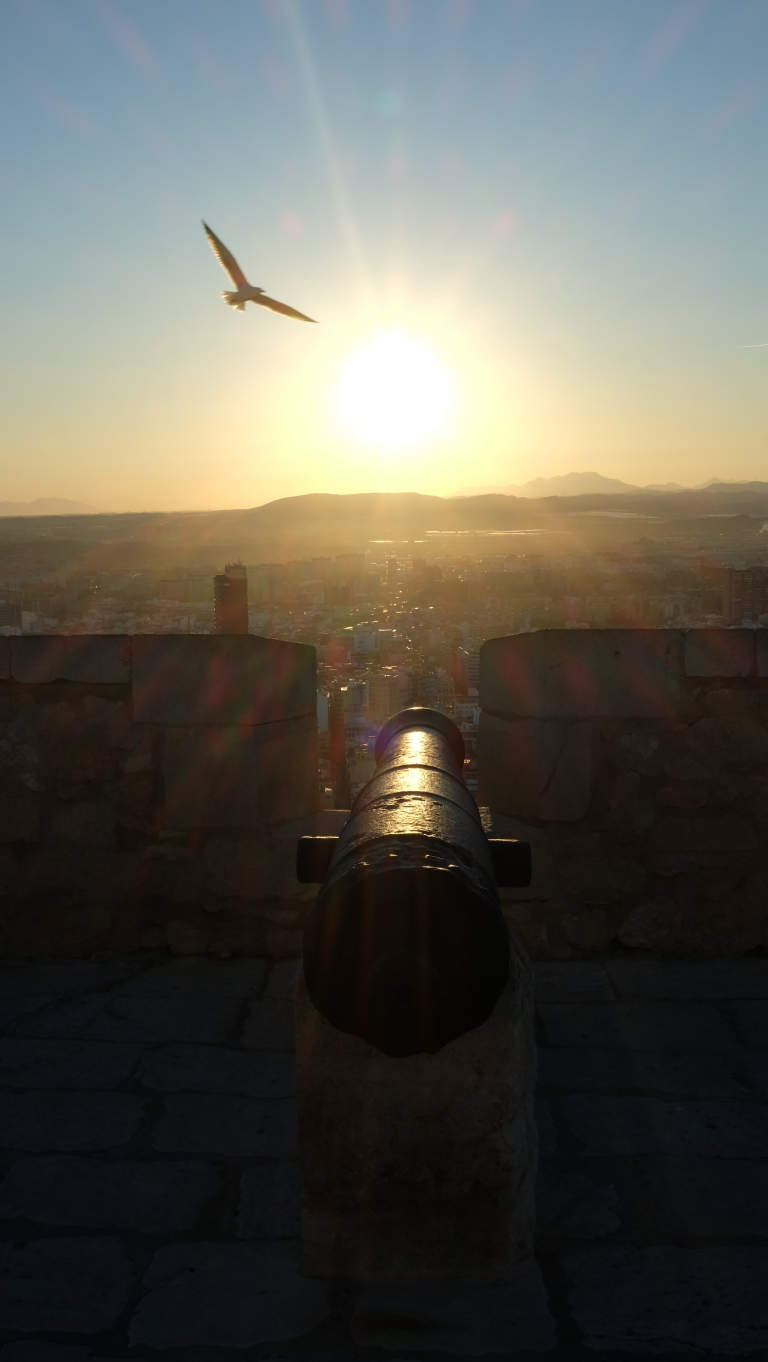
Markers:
419,1169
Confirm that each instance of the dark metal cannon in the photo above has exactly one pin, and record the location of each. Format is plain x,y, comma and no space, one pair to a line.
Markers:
406,946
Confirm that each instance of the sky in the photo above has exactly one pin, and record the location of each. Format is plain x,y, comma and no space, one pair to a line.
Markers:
534,235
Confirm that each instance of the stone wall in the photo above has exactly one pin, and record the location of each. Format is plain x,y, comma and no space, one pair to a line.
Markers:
636,762
151,793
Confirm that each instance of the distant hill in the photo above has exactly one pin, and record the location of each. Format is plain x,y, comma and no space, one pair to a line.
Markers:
565,485
47,506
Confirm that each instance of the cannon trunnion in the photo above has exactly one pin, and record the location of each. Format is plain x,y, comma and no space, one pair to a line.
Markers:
406,946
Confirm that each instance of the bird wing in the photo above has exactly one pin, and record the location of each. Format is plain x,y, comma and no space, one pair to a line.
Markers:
274,306
225,259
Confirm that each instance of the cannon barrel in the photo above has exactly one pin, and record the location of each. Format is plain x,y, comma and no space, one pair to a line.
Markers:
406,946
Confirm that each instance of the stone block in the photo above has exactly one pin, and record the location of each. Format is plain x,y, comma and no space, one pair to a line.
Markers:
201,1068
16,1007
282,980
583,674
19,816
572,981
152,1197
705,1198
37,1350
46,1120
259,866
423,1168
671,1300
239,777
5,658
234,1127
762,652
90,822
225,1296
534,769
610,1126
755,1062
270,1026
198,978
719,652
221,679
752,1022
699,1074
636,1025
470,1321
95,658
270,1202
656,925
571,1204
591,869
686,979
62,979
726,833
206,1021
64,1064
77,1286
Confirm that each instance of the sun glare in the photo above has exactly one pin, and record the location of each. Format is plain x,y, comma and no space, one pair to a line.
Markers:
394,393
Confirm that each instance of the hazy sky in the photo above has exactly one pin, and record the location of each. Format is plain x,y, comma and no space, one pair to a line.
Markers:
560,205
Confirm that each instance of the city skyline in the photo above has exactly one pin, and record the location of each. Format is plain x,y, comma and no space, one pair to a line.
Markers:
554,209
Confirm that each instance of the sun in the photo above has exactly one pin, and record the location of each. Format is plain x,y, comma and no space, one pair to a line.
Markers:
394,393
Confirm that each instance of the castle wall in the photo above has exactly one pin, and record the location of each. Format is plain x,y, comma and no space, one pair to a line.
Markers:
636,762
151,793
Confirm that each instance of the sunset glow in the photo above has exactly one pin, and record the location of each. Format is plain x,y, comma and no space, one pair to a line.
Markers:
395,394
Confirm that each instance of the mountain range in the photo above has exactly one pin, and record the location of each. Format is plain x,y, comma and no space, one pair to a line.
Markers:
576,485
47,506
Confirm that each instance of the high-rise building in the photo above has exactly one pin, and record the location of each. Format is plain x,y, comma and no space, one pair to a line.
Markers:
230,597
745,593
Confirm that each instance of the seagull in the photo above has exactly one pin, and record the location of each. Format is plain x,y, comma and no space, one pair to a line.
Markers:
246,293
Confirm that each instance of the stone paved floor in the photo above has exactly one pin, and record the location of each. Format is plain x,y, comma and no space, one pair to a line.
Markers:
149,1188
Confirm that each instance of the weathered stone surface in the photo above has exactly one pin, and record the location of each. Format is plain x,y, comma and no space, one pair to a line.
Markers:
683,795
64,1064
655,925
689,978
566,673
206,1020
572,1204
15,1007
262,865
152,1197
200,1068
390,1149
570,981
700,1074
62,979
752,1021
466,1320
90,822
666,1299
755,1062
642,1125
67,1120
270,1026
762,652
281,982
635,1025
590,868
225,1296
67,1285
719,652
38,659
237,679
270,1201
37,1350
529,768
232,777
5,659
632,807
19,816
705,1198
726,833
545,1125
591,929
238,1127
199,978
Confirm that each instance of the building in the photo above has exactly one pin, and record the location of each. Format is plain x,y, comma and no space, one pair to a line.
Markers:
230,599
745,593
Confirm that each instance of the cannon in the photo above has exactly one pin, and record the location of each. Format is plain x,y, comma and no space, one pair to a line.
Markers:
406,946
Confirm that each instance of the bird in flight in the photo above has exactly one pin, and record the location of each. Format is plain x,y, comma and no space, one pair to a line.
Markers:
245,292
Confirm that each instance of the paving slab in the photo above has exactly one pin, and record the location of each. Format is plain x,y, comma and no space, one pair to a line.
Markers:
282,977
689,978
14,1007
571,1204
226,1296
26,1063
716,1198
755,1064
270,1026
63,979
238,1127
159,1197
670,1300
695,1073
196,976
270,1201
636,1025
752,1022
201,1068
571,982
545,1124
465,1320
208,1020
644,1125
39,1350
63,1285
43,1120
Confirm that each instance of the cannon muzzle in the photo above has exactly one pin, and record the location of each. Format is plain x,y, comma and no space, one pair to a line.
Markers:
406,946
